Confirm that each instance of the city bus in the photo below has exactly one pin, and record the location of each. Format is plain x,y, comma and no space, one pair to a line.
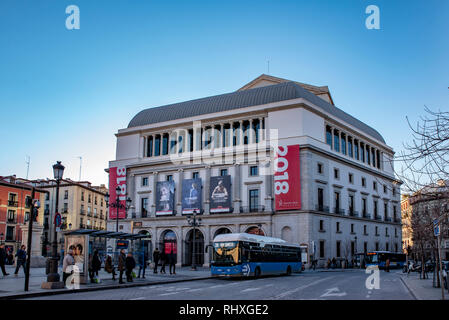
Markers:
245,255
378,258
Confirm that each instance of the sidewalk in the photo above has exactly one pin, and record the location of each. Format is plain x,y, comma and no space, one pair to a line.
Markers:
12,287
422,289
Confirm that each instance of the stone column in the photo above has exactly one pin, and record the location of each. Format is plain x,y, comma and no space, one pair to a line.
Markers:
241,133
153,205
36,260
250,133
154,144
236,188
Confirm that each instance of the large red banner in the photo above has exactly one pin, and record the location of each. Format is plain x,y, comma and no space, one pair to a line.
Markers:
117,177
287,185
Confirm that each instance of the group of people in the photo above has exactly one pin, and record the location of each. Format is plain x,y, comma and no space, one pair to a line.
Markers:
126,264
7,256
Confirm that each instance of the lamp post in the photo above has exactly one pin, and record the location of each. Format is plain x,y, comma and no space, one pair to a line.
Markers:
53,278
117,204
34,206
194,222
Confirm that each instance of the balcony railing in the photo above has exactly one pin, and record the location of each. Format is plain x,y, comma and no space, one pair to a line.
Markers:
376,217
321,208
353,213
366,215
398,220
12,203
11,219
338,211
82,226
257,208
82,212
388,219
89,214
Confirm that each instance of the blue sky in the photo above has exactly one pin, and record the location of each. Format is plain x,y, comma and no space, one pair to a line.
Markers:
64,93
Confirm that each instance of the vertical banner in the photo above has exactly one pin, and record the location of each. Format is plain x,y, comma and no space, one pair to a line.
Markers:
220,194
287,185
117,177
165,197
191,196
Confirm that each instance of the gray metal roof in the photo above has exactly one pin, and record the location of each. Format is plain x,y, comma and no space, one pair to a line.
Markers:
241,99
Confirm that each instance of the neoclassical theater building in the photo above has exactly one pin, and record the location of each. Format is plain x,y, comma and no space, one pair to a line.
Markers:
335,192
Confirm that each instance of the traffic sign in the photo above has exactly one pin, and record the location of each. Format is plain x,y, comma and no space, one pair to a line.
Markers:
436,228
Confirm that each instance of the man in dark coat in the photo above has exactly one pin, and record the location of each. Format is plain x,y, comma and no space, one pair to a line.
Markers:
3,259
172,261
21,259
130,265
156,257
121,264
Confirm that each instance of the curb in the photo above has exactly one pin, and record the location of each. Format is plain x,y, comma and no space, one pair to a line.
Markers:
110,287
409,289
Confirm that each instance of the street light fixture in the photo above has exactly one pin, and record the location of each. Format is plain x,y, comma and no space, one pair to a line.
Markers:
53,278
117,204
194,222
34,207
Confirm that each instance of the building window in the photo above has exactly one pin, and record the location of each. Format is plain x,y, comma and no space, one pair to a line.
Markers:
320,199
362,152
352,248
352,228
394,191
375,208
386,210
157,145
374,185
66,194
386,232
253,200
336,141
364,230
95,200
336,173
169,177
338,227
329,136
350,147
377,246
338,249
144,206
385,188
321,225
165,144
365,246
10,233
350,178
320,168
356,149
150,147
321,248
387,247
337,202
351,204
364,207
195,175
47,196
82,195
377,230
343,143
254,171
363,182
223,172
89,198
144,181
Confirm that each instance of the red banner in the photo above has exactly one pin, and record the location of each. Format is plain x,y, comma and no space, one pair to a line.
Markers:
287,185
117,177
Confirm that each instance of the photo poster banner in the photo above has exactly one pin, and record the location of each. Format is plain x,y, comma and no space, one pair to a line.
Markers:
117,177
220,194
80,246
165,197
191,196
287,184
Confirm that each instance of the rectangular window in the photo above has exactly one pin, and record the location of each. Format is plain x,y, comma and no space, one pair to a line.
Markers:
387,247
374,185
352,248
364,207
144,181
165,144
367,155
321,248
320,168
373,156
329,136
254,171
336,141
336,173
385,188
195,175
150,146
337,202
350,153
338,226
223,172
180,143
157,146
377,230
351,204
377,246
386,232
364,230
169,177
253,200
66,194
321,225
350,178
320,199
363,182
343,143
378,159
362,152
356,149
375,209
82,196
365,246
338,249
144,207
352,228
9,233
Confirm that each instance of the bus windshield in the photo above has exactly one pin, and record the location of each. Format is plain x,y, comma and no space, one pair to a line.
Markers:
226,253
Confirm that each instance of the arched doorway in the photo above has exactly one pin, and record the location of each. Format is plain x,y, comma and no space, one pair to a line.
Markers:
169,244
255,230
194,250
221,231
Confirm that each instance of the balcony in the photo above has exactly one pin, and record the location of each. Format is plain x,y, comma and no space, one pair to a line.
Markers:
339,211
376,217
256,208
11,219
321,208
397,220
353,213
12,203
388,219
366,215
82,212
89,214
101,216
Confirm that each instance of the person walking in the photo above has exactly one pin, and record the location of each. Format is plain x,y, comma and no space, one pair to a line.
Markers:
387,265
163,258
3,259
68,261
109,268
130,264
21,260
156,257
121,265
95,266
172,261
143,257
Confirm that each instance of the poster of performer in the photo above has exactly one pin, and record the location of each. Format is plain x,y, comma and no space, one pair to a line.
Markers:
191,196
220,194
165,196
78,245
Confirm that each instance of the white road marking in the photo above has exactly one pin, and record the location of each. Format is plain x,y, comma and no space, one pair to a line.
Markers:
286,293
193,290
139,298
170,293
249,289
333,292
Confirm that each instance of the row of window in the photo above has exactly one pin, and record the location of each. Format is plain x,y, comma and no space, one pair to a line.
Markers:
340,248
365,229
347,145
216,136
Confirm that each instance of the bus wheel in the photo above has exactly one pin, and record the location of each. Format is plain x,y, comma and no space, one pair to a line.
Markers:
289,270
257,273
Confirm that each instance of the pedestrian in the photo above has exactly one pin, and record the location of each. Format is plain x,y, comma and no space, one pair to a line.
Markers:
130,264
387,265
121,264
163,258
334,263
142,264
21,260
10,258
109,268
156,257
328,263
3,259
172,261
95,265
68,261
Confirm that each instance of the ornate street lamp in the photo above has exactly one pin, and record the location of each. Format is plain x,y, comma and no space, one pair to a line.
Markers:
53,278
118,205
194,222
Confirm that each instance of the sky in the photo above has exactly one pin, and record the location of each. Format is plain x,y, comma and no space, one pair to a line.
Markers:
65,93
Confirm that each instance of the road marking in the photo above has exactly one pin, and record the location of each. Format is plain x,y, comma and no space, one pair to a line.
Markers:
170,293
139,298
286,293
333,292
193,290
249,289
218,286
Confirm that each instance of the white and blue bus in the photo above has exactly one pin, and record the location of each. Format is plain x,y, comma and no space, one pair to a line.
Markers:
244,255
379,258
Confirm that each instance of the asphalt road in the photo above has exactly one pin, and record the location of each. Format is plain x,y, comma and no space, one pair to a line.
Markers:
348,285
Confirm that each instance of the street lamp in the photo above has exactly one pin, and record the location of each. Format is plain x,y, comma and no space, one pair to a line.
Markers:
34,207
194,222
117,204
53,279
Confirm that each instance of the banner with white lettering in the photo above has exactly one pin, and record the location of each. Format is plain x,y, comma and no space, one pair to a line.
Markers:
287,184
117,177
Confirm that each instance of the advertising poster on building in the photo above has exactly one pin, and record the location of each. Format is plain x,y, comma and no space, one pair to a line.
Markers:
165,196
287,186
220,194
117,177
80,248
191,196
